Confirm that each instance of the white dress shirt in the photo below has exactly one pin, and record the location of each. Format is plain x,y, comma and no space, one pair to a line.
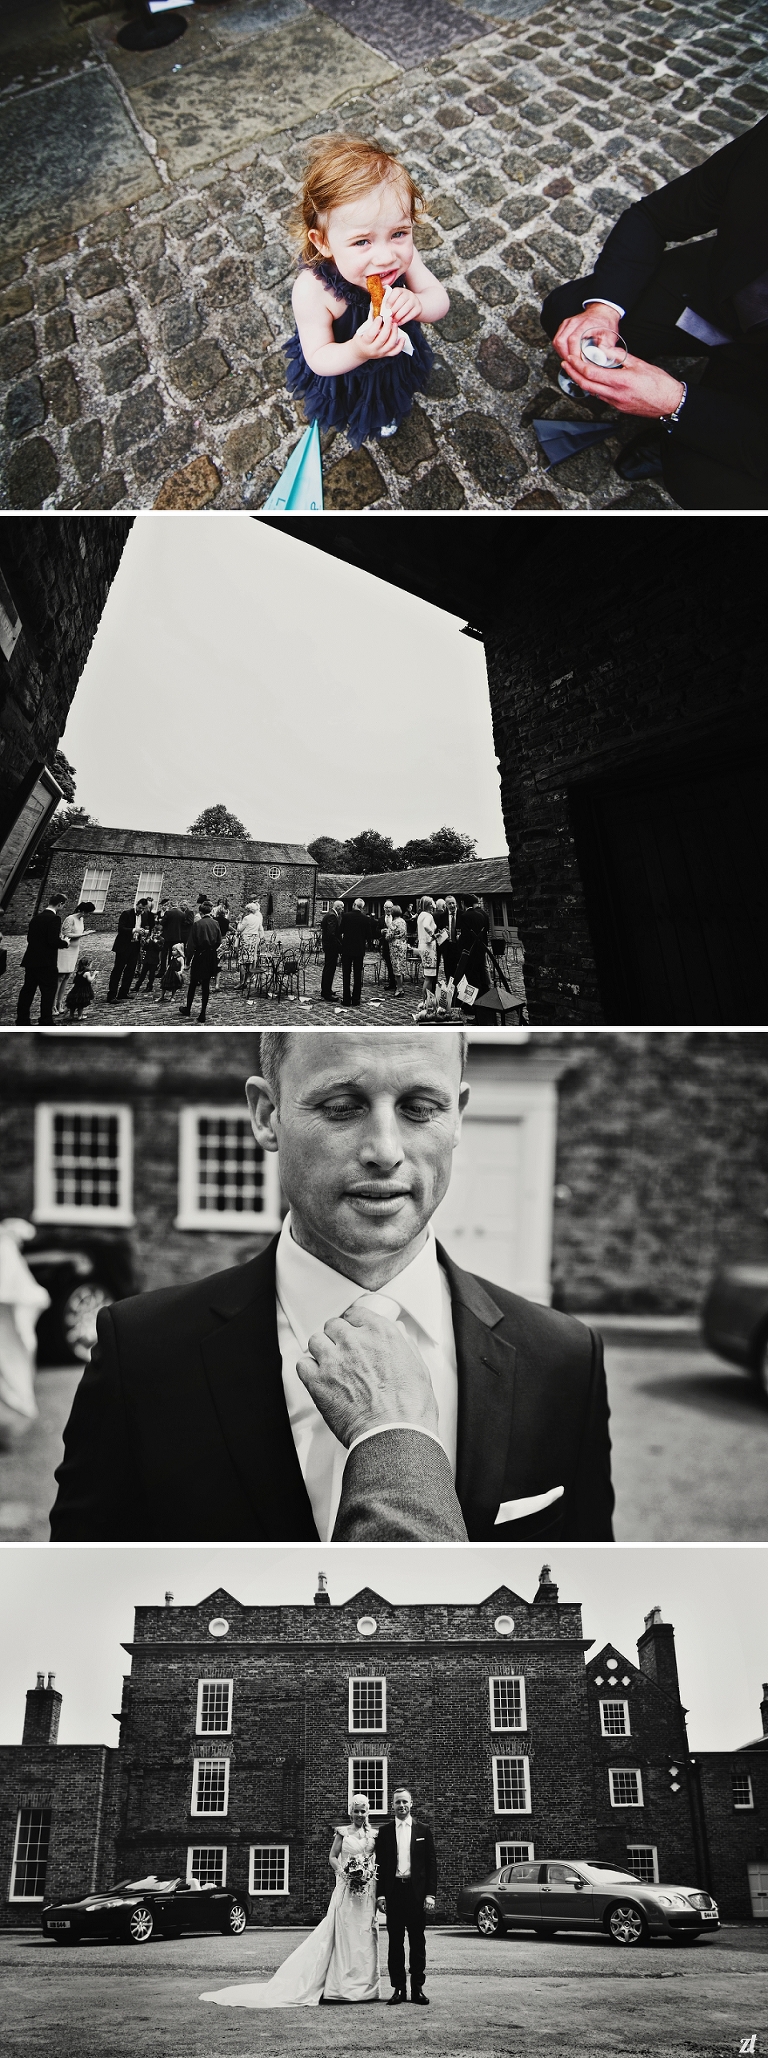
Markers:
403,1835
309,1294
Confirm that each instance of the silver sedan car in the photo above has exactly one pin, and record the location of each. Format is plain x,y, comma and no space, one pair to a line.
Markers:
547,1895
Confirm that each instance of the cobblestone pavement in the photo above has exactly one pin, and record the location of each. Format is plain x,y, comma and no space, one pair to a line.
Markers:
145,287
228,1008
506,1999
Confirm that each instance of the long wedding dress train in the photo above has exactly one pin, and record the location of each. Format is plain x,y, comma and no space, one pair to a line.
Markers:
338,1962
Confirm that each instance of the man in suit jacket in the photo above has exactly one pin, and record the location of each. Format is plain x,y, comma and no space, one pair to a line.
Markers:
708,298
349,1382
203,946
355,939
126,947
330,930
406,1887
40,962
174,930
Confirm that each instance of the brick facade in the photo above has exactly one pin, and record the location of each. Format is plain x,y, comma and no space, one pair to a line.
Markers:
289,1743
59,574
278,876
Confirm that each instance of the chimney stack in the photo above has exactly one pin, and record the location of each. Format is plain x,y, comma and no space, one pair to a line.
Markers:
764,1708
41,1719
547,1591
168,1600
656,1653
322,1597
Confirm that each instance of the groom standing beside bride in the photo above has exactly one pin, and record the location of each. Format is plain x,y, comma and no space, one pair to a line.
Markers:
394,1869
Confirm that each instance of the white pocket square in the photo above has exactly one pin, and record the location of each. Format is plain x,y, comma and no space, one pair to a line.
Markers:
513,1511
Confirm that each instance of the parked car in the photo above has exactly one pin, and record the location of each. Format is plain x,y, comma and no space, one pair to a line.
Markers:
547,1895
135,1910
82,1274
735,1318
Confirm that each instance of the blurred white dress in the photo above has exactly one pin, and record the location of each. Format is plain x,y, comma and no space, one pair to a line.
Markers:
338,1962
22,1301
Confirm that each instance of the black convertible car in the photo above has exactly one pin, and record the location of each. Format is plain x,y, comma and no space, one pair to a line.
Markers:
137,1909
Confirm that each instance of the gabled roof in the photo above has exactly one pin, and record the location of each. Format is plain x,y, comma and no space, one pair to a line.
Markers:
474,875
91,840
333,885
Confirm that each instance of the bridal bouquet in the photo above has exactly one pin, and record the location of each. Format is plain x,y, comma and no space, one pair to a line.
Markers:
360,1869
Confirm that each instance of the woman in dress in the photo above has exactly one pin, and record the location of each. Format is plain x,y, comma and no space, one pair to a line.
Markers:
427,943
72,933
22,1302
398,947
340,1960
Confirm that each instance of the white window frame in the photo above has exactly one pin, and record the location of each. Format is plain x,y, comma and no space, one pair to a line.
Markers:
520,1759
745,1779
613,1771
268,1893
199,1731
367,1679
191,1215
98,894
210,1814
353,1785
26,1900
47,1208
615,1702
218,1848
652,1852
146,890
508,1727
526,1854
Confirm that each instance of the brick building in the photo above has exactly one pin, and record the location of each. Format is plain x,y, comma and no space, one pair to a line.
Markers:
485,879
601,1171
244,1731
54,580
116,867
631,729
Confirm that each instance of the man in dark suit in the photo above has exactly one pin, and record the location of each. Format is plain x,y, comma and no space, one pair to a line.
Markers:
708,298
406,1887
203,948
40,962
350,1382
330,930
126,948
355,939
174,930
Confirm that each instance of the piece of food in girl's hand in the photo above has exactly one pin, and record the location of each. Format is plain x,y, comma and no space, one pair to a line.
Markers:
376,290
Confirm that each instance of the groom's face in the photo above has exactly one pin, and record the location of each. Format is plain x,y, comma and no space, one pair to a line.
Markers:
366,1129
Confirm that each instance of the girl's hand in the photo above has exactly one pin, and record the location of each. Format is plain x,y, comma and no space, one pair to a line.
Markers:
403,305
379,336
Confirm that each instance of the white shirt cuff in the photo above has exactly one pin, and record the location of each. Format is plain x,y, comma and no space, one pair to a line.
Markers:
599,300
383,1426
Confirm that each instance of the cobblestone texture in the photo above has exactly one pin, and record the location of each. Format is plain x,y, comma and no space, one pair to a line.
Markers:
141,354
229,1008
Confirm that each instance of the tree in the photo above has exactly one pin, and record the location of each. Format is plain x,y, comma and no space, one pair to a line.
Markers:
370,852
217,821
65,773
329,854
444,847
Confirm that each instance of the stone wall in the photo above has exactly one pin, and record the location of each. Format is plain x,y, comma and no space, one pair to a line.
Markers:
184,878
597,664
59,573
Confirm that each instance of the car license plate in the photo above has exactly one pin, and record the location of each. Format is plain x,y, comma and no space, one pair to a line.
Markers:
58,1925
709,1914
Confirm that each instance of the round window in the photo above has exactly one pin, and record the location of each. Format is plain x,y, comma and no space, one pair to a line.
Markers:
218,1627
367,1625
504,1625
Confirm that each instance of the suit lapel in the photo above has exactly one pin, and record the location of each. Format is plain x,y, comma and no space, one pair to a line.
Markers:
486,1374
244,1372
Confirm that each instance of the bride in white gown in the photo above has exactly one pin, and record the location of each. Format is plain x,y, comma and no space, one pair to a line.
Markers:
340,1960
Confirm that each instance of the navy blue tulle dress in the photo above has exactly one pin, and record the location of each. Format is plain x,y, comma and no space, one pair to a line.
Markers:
366,400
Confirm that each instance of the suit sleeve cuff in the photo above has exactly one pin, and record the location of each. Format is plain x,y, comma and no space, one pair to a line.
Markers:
599,300
382,1428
